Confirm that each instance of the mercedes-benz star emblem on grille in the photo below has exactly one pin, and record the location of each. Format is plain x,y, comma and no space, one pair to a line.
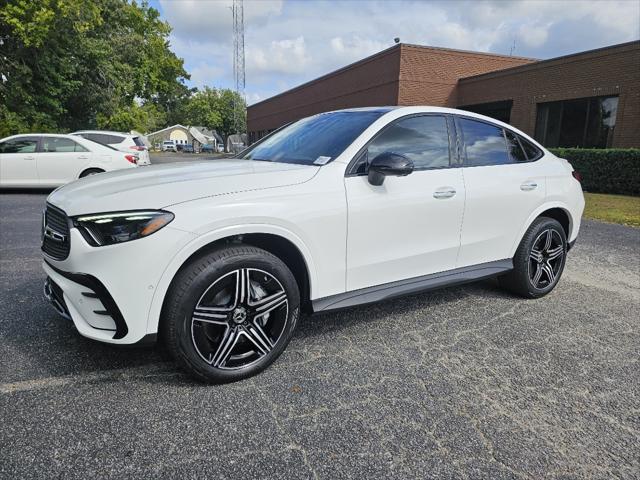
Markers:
53,235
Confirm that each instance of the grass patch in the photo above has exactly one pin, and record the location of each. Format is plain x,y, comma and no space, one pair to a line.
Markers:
612,208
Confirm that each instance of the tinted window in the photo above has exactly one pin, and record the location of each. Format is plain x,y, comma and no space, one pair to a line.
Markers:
138,141
19,145
483,144
424,140
113,139
314,140
515,150
61,145
533,152
581,122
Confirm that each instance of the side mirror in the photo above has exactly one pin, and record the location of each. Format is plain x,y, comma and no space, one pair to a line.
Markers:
388,164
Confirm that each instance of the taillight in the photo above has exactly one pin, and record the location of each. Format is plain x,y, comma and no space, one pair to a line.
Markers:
132,158
577,176
138,148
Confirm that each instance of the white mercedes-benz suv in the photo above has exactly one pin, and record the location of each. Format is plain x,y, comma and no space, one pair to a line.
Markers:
340,209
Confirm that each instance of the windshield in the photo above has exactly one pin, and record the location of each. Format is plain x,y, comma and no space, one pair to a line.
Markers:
315,140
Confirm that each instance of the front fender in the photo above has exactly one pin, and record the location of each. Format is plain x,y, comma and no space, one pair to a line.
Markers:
201,241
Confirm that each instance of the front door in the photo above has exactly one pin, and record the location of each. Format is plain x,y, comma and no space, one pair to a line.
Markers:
408,226
18,162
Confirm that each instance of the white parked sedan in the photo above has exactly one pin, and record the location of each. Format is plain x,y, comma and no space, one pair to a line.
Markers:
336,210
47,160
125,142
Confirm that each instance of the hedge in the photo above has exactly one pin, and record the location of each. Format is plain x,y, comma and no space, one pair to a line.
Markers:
612,170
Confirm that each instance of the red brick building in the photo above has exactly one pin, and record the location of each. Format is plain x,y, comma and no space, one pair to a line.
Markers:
589,99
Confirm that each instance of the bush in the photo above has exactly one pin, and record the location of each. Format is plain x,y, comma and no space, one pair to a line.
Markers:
612,170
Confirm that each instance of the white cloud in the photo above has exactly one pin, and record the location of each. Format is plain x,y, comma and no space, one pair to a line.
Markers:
211,20
206,74
290,42
354,48
280,56
533,35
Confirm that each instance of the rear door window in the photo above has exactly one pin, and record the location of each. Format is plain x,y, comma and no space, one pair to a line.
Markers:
112,139
532,152
515,149
61,145
483,144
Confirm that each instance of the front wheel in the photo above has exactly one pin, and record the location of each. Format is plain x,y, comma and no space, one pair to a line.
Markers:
539,260
229,314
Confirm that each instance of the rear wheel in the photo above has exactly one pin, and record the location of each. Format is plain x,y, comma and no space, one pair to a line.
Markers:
90,171
539,260
231,313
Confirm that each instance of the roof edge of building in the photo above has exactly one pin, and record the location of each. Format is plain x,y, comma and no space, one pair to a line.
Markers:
385,52
536,64
469,52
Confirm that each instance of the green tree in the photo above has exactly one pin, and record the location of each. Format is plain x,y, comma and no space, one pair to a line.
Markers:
203,109
64,64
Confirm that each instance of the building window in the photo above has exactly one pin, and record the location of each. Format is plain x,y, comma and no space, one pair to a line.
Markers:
499,110
582,122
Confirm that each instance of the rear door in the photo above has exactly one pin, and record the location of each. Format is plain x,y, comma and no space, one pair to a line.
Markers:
503,187
61,160
409,226
18,162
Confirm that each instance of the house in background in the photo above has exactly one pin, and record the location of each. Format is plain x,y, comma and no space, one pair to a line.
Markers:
192,135
237,142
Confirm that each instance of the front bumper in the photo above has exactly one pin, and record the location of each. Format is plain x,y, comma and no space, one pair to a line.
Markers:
93,306
108,291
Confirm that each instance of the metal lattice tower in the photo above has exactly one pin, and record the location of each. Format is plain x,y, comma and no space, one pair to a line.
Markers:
238,61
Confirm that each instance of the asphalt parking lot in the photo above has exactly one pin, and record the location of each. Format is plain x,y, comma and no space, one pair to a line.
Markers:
465,382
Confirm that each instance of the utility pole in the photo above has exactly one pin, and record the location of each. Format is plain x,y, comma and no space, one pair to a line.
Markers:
238,63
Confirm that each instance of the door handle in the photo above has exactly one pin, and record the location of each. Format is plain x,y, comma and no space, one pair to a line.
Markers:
83,157
29,158
528,186
445,192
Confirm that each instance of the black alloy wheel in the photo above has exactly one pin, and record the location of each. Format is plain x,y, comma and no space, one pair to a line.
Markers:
539,260
230,313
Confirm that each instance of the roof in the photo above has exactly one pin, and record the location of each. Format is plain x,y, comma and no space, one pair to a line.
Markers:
546,62
108,132
168,128
197,135
209,133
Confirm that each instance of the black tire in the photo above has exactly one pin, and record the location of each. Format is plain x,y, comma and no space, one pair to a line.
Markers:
528,263
90,171
196,341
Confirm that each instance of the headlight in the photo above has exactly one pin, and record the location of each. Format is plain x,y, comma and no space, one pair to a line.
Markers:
109,228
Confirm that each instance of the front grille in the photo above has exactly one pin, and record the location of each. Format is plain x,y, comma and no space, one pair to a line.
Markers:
55,236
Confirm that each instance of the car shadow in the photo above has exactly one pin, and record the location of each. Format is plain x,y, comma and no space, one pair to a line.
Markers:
46,345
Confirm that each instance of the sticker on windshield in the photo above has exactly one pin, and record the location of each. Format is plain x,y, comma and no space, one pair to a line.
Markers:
321,160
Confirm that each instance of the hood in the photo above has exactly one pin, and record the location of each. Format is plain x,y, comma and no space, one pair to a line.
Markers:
159,186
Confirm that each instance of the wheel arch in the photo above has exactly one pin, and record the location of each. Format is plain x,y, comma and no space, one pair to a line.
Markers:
555,210
276,240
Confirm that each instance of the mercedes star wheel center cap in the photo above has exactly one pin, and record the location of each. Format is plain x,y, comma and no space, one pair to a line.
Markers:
239,315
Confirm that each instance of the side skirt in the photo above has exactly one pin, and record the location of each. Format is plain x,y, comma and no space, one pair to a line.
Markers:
413,285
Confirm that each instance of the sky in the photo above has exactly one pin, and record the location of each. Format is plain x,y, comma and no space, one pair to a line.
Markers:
289,42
